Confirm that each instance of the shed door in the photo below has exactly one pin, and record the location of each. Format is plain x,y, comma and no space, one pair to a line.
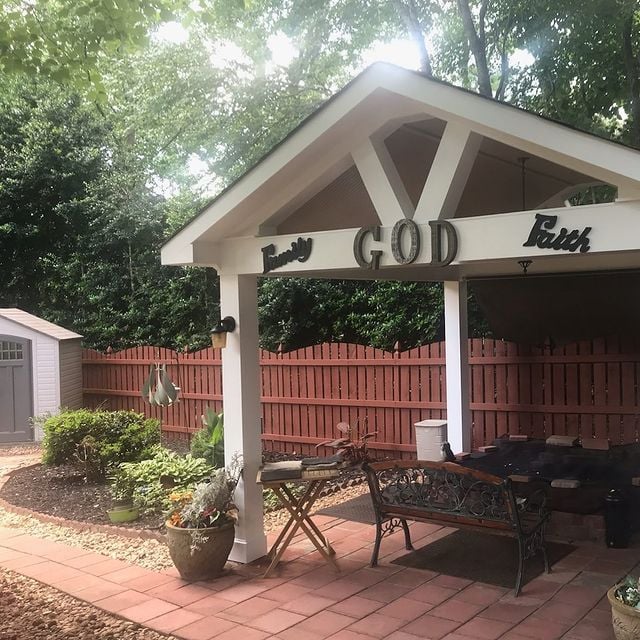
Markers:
15,389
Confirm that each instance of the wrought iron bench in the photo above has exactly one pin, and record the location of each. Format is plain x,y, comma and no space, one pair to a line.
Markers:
447,494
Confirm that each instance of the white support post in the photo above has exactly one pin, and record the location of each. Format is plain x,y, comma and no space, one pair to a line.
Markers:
457,365
241,405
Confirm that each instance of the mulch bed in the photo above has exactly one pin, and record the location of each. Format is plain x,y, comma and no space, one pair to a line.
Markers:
62,492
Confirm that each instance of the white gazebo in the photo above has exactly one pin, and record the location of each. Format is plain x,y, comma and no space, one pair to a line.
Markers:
404,178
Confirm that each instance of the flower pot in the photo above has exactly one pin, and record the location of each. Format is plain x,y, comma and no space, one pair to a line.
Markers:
208,559
125,513
625,619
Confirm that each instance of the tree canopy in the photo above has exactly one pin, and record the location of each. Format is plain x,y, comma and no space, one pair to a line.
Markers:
118,119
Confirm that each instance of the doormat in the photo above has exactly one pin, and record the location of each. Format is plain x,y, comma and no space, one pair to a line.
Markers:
357,509
480,557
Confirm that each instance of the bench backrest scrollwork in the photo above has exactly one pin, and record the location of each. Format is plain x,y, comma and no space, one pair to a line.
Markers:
442,489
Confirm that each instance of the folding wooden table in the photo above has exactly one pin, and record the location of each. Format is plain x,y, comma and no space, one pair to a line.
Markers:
299,508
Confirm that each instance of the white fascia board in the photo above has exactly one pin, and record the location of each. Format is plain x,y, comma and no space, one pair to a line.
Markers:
615,227
582,152
491,238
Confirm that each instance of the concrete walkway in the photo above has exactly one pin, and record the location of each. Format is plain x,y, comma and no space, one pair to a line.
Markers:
307,600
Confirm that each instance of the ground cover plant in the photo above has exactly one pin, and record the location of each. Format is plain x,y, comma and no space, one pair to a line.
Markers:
165,472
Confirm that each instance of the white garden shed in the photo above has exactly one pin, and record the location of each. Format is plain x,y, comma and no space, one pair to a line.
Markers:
40,371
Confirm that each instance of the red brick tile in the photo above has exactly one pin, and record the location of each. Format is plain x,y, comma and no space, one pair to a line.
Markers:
210,605
356,607
204,628
147,610
51,572
22,560
144,583
405,609
125,575
411,577
308,604
377,625
451,582
590,631
86,581
540,589
284,593
240,632
347,634
456,610
508,612
293,633
86,560
325,623
402,635
122,601
275,620
384,592
578,595
559,611
177,619
98,590
431,627
431,593
184,595
481,594
106,566
241,592
541,628
249,609
484,629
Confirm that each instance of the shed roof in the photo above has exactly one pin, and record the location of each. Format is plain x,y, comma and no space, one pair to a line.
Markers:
38,324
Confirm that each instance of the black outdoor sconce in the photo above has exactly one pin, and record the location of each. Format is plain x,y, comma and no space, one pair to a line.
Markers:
219,332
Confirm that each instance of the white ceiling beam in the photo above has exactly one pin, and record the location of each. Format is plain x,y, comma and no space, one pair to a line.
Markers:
382,181
449,173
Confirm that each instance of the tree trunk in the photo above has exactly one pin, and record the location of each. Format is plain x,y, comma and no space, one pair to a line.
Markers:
409,14
631,66
477,45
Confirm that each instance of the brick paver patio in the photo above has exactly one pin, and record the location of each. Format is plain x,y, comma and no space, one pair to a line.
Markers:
307,600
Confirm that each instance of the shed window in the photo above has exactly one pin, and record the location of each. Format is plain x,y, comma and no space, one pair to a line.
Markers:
11,350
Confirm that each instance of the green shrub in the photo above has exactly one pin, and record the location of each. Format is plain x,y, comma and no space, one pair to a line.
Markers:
163,473
98,440
208,443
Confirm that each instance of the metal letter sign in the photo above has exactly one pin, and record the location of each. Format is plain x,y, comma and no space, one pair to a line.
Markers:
439,230
358,248
396,241
564,240
300,251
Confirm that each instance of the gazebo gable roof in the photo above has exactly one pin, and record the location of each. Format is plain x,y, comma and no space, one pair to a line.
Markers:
350,129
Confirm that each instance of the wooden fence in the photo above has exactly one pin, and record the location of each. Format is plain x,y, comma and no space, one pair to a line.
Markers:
588,389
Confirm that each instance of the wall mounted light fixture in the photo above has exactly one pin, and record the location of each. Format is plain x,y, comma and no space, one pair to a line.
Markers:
219,332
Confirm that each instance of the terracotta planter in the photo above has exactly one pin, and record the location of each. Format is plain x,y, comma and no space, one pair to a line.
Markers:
208,560
625,619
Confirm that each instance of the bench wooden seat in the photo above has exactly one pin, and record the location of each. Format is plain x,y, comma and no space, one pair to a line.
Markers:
447,494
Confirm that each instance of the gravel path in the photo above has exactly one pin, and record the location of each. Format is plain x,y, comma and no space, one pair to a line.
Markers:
38,612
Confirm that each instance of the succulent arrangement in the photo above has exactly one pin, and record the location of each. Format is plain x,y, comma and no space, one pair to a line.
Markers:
353,445
628,592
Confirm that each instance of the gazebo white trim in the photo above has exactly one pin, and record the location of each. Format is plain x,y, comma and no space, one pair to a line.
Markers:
352,130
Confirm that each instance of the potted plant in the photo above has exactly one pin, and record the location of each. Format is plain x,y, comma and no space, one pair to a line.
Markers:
625,609
352,447
123,509
201,524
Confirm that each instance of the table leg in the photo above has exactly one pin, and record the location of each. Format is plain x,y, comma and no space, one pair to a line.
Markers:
298,509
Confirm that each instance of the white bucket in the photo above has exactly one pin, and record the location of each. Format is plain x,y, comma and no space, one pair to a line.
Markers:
430,436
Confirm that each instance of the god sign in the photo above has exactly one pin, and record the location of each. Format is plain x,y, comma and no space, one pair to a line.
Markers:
439,229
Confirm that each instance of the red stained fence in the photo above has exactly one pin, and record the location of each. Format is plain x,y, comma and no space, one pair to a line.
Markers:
588,389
